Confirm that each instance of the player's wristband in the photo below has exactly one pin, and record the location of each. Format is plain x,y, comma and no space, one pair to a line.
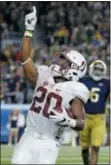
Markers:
23,63
28,33
72,123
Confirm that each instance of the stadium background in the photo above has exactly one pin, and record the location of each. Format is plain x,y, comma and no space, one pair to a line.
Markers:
84,26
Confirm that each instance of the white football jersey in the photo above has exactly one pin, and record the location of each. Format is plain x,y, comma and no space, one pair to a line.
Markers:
49,96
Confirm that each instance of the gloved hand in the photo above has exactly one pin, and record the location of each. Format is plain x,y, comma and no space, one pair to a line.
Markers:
62,119
30,20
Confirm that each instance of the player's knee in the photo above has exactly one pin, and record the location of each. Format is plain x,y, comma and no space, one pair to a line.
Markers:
95,148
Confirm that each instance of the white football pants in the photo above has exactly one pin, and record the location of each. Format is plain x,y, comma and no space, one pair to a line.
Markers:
35,149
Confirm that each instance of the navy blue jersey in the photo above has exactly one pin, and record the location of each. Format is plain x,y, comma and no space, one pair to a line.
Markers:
99,91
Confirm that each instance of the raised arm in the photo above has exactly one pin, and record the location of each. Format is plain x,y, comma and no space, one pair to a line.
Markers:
28,65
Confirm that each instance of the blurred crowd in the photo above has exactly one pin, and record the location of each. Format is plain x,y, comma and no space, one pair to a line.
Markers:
84,26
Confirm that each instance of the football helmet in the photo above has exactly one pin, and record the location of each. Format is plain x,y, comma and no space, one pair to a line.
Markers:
70,65
97,70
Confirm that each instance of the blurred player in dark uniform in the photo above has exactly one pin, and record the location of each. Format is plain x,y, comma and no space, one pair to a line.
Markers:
95,126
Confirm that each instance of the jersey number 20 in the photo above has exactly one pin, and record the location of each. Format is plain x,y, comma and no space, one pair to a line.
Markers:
45,99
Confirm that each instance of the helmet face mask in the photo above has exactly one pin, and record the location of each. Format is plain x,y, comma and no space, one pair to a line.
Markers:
62,62
70,65
97,70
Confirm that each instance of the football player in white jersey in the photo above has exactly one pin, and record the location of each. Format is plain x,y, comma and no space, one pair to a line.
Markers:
56,89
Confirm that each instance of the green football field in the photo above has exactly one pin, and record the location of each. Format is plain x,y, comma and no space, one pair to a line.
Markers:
67,155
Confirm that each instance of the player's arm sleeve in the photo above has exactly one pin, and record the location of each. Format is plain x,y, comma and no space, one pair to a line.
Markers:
82,92
42,74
